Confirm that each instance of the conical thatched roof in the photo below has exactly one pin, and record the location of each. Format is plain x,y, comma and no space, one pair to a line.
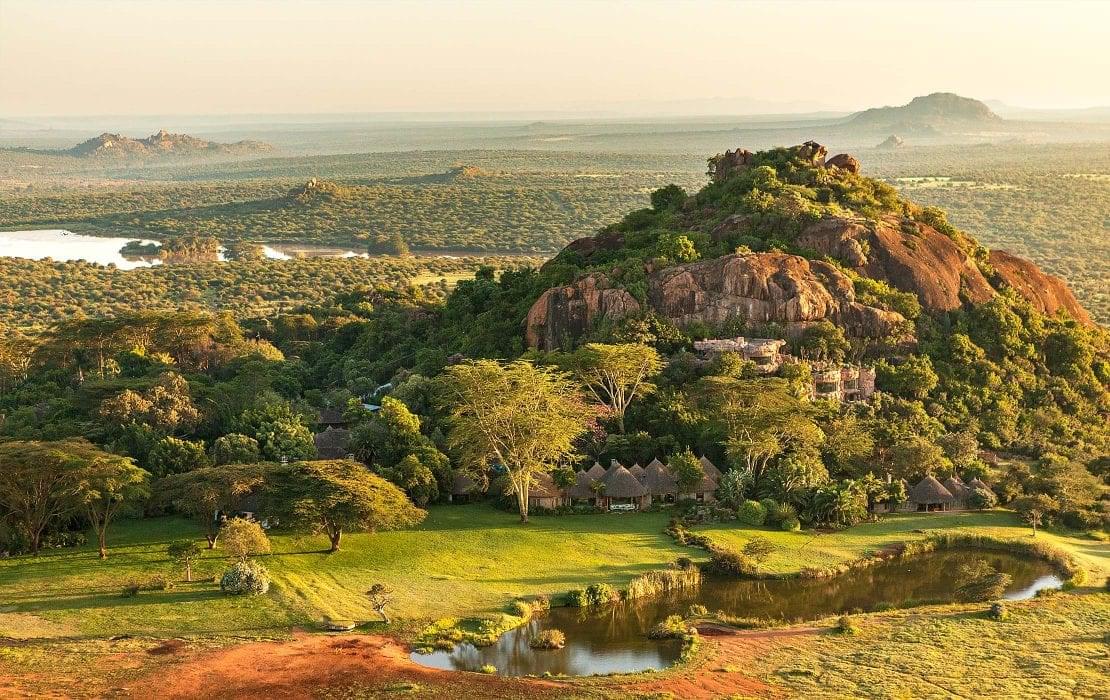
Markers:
929,490
658,479
581,487
710,469
613,464
655,463
463,484
977,484
707,485
619,483
543,486
596,472
638,472
332,443
956,487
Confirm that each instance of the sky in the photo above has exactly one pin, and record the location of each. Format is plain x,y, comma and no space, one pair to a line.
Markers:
140,57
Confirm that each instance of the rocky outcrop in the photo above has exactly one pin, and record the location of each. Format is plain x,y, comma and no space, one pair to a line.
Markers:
910,256
161,143
1046,293
567,312
758,287
588,247
765,287
892,142
731,162
844,162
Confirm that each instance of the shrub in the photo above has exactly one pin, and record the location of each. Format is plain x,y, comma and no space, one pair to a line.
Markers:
549,639
577,598
771,510
488,668
758,549
846,625
697,610
600,594
245,578
674,627
781,512
998,612
130,589
729,562
243,538
791,524
520,608
660,581
684,563
751,513
158,582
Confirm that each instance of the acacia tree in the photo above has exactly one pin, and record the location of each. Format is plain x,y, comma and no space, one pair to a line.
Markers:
617,374
337,496
206,492
1033,509
107,485
186,553
381,596
41,483
522,417
243,539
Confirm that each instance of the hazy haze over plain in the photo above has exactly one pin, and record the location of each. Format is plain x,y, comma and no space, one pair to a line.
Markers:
74,57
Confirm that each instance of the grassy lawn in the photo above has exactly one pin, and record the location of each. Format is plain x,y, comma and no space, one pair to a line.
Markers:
1048,648
796,550
461,560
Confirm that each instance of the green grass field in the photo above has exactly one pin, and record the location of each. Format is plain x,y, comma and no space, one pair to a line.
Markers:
797,550
462,560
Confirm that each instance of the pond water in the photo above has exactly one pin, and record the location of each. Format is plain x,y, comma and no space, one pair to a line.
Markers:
62,245
614,639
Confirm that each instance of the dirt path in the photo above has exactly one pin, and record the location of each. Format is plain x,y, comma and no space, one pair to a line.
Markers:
311,664
722,673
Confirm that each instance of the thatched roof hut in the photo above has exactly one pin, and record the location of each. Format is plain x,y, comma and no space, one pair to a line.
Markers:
581,486
710,470
658,480
543,486
463,484
978,484
619,483
654,463
333,443
596,472
956,487
638,472
930,492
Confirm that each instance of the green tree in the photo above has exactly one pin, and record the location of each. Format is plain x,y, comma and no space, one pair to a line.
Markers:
1035,509
913,378
517,415
677,247
616,374
758,549
337,496
186,553
207,492
235,449
243,539
108,484
824,341
687,470
172,455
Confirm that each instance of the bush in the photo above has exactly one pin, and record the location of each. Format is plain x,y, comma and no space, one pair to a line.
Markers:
674,627
770,508
130,589
549,639
601,594
660,581
846,625
158,582
729,562
791,524
245,578
489,669
684,563
751,513
697,610
998,612
520,608
577,598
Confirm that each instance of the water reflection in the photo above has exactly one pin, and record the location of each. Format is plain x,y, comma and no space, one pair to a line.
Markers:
613,639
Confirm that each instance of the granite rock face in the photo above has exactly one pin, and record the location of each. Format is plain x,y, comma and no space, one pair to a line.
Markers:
567,312
1047,294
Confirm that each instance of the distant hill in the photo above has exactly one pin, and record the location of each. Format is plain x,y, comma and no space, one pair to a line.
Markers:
933,113
162,143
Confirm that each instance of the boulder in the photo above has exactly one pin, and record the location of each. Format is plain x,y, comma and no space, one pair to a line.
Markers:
908,255
567,312
766,287
737,223
1047,294
731,162
844,162
813,152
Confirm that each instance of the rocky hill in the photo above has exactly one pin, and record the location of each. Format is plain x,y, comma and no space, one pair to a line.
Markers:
162,143
787,237
937,112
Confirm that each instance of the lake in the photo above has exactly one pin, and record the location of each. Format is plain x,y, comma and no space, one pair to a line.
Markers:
613,639
62,245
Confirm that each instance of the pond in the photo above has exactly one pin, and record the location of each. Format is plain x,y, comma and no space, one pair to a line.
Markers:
62,245
614,639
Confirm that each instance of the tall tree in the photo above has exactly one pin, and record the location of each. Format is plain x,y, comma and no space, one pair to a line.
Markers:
337,496
206,492
108,484
617,374
522,417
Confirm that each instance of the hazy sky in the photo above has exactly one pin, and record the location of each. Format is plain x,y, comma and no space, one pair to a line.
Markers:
78,57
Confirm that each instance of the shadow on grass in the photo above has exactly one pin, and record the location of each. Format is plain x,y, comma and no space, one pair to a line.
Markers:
107,600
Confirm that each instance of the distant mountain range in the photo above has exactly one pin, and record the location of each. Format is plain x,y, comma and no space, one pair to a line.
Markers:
162,143
935,113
